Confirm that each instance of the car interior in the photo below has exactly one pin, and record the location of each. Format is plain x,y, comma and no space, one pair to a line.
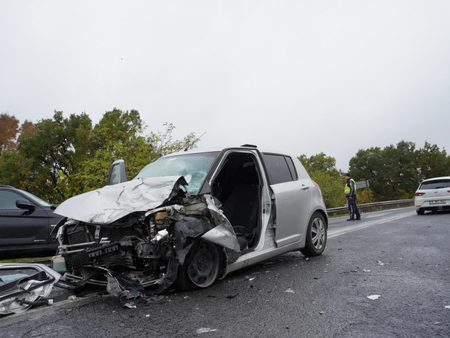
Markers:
238,188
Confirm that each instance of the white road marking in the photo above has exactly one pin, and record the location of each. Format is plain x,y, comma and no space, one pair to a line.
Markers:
358,225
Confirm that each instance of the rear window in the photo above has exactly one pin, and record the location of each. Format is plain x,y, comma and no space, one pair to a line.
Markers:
280,168
435,184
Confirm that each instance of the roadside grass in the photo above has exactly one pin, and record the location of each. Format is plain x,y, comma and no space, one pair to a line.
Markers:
27,260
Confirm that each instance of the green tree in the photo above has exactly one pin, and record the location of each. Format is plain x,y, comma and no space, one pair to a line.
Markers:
322,169
56,150
432,162
62,157
395,171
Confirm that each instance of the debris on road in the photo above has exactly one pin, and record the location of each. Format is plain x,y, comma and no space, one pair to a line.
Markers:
374,297
23,285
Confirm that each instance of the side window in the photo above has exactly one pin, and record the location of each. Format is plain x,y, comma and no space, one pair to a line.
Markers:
8,200
278,168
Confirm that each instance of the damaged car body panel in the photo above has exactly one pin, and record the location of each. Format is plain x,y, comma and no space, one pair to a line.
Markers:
24,285
190,218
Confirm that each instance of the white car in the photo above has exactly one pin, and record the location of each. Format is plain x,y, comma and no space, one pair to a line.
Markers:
190,218
433,195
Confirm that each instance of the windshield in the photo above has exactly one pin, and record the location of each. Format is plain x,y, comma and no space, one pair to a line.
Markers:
197,165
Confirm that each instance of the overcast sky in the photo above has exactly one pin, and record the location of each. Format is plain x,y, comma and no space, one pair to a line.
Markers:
300,76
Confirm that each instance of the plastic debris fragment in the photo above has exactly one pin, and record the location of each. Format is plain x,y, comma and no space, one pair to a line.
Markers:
374,297
205,330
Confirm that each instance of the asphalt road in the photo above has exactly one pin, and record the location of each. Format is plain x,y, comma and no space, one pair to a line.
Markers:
385,276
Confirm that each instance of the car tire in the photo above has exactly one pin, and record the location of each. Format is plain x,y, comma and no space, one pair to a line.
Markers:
201,267
316,236
420,212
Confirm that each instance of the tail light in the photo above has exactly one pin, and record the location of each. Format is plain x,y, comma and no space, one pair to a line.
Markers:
419,194
315,183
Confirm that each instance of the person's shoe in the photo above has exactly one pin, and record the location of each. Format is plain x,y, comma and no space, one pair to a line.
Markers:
351,219
358,219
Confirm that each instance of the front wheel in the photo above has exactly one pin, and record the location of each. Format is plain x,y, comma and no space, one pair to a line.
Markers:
316,236
201,267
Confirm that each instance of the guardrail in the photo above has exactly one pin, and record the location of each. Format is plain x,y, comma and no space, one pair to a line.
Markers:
369,207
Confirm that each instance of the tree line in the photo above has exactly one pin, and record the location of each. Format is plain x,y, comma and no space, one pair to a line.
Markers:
392,173
61,157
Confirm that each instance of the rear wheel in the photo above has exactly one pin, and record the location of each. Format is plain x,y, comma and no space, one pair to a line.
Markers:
201,267
316,236
420,212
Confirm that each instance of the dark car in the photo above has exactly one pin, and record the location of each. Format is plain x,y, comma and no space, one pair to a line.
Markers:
26,222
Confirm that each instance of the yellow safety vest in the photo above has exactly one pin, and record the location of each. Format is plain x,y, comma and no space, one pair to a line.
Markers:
347,188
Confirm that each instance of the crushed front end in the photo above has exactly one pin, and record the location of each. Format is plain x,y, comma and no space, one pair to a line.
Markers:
144,244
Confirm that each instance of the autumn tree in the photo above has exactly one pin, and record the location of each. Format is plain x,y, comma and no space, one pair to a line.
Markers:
9,127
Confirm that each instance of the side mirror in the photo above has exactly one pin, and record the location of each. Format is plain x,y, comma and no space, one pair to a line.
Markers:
25,204
117,173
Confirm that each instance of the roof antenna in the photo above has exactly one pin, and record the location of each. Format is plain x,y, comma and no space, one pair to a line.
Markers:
190,144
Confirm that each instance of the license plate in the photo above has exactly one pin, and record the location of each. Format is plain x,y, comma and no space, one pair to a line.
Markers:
437,202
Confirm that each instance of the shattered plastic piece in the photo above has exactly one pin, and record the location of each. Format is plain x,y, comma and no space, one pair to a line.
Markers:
23,285
72,297
380,262
129,305
374,297
289,290
205,330
447,306
364,270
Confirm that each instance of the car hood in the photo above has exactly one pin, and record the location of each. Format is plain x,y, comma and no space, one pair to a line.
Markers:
112,202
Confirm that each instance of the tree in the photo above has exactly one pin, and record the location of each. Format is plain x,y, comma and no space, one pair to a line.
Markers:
56,150
9,127
322,169
395,171
62,157
432,162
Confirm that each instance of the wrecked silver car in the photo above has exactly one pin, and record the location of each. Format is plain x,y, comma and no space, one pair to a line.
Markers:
190,218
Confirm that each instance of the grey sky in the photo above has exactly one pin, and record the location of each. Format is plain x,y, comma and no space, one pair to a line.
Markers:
302,76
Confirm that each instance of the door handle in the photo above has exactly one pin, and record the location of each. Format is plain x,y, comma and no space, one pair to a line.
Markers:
304,187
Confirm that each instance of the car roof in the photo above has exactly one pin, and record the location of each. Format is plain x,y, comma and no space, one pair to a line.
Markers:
219,149
437,178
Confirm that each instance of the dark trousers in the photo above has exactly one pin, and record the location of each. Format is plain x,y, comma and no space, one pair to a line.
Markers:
353,208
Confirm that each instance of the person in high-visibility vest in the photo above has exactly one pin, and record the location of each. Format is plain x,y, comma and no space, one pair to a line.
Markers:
350,193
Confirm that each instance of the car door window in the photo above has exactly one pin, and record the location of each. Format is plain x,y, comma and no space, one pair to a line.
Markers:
8,200
278,169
